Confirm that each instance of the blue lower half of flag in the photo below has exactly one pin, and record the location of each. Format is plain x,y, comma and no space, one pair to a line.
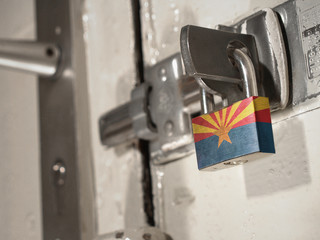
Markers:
247,139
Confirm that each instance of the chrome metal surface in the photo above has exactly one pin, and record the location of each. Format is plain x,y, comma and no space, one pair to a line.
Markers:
289,20
140,112
68,208
189,89
207,101
129,121
116,126
174,134
33,57
204,53
238,55
159,111
144,233
245,66
299,20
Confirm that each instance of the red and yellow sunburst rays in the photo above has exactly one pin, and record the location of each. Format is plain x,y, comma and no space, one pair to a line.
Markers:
221,122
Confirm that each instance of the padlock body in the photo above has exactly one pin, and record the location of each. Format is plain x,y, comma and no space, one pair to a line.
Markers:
233,135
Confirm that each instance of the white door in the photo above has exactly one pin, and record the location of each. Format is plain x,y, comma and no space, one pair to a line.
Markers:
271,198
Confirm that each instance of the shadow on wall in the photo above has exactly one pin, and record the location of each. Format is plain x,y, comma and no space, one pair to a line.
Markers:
288,168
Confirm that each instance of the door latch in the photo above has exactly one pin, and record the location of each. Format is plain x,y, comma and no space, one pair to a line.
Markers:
160,109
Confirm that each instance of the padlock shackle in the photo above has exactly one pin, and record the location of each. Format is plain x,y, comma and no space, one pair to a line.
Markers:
240,58
206,101
246,68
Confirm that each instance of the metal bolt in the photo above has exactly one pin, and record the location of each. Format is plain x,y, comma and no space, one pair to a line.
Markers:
168,127
163,74
59,172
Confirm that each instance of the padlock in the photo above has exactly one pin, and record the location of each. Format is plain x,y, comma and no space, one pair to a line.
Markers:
235,134
230,136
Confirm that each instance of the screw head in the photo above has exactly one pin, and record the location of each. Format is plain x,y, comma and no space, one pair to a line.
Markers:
168,127
147,236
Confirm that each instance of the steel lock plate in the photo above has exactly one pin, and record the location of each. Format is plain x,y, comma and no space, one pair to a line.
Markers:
233,135
301,20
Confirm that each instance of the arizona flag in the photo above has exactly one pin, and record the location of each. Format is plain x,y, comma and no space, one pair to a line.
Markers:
238,130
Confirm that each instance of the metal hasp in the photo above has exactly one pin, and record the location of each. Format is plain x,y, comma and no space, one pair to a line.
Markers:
300,21
265,27
169,110
34,57
204,54
161,107
66,171
159,111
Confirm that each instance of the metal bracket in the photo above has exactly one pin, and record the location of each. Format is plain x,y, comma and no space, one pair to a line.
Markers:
265,27
174,133
204,52
159,112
